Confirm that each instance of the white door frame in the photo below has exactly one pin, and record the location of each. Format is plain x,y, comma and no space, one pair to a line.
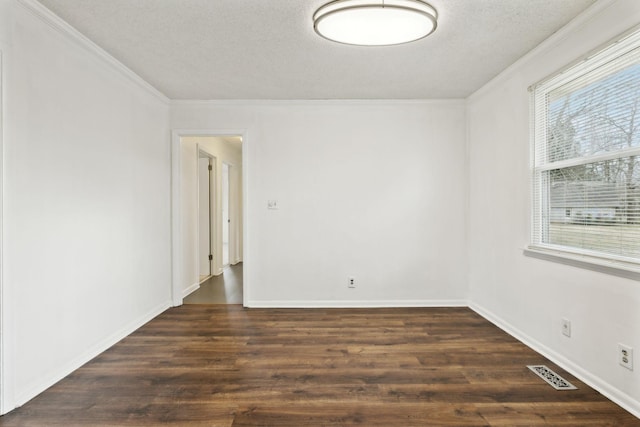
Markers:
4,404
226,192
177,235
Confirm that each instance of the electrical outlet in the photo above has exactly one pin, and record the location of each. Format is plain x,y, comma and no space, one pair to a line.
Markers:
352,282
625,356
566,327
272,204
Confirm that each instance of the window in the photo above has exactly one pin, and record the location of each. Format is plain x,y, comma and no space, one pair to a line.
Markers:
586,157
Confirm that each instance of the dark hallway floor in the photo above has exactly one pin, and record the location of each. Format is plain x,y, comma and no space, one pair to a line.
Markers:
223,289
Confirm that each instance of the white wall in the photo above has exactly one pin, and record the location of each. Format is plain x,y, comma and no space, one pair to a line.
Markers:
374,190
223,152
527,295
86,222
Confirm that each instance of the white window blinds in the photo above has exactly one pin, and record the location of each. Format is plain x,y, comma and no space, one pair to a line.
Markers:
586,160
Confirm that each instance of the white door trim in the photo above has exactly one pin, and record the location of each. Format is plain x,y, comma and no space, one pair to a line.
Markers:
177,235
226,192
4,402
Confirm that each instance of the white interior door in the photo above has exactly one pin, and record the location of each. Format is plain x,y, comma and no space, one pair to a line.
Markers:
205,256
226,218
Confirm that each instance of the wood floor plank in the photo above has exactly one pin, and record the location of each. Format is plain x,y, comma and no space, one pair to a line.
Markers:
223,365
364,414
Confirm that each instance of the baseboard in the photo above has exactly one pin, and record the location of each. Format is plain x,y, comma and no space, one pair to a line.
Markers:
44,383
191,289
611,392
356,304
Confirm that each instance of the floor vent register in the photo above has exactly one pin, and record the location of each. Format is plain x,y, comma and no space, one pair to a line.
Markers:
553,379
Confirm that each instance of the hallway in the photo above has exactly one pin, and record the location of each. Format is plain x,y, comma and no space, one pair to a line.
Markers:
223,289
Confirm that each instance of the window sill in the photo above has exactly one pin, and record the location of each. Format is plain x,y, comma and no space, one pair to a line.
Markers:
616,268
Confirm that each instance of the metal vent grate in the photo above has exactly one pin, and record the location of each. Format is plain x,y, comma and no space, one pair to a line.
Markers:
554,380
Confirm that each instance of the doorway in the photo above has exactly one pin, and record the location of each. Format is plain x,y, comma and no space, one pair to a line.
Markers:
209,219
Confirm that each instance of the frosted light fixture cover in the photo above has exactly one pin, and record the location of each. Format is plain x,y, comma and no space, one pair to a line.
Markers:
375,23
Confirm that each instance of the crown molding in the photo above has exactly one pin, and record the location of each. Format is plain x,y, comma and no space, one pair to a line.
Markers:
61,26
560,35
312,102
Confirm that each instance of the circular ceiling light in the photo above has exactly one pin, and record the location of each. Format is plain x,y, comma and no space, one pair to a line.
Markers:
375,22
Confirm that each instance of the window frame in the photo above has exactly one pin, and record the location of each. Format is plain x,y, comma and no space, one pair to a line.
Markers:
596,260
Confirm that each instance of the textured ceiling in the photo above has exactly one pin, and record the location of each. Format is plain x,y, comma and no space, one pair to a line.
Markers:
267,49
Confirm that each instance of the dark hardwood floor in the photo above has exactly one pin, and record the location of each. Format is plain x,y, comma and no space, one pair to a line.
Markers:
223,365
223,289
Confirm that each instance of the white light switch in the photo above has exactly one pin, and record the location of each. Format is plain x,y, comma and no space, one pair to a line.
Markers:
272,204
